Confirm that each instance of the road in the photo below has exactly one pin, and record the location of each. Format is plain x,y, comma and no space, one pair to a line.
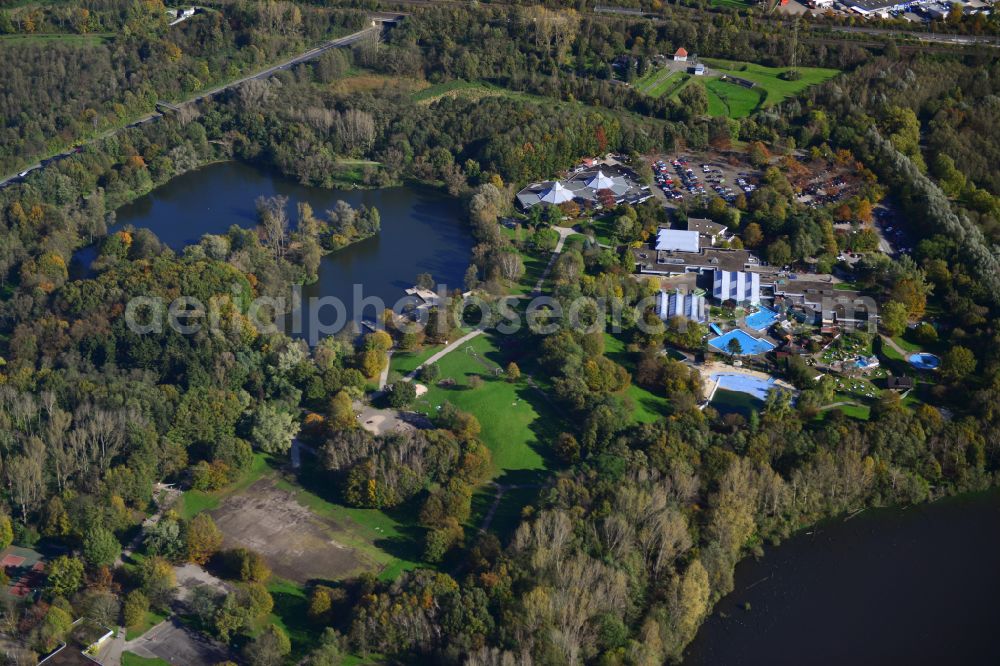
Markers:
303,57
966,40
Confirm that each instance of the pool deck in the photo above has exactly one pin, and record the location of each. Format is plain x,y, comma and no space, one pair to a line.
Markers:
709,369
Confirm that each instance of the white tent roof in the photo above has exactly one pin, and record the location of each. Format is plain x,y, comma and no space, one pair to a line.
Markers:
600,182
556,194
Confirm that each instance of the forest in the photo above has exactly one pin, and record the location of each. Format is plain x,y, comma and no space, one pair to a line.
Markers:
56,93
635,534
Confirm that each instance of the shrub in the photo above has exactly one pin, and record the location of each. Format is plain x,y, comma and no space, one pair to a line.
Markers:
135,608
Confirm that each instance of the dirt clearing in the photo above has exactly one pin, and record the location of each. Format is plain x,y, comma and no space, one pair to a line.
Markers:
297,544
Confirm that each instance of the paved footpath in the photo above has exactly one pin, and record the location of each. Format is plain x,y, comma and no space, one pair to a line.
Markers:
444,352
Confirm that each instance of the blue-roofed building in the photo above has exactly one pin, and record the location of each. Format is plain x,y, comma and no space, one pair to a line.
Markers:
739,286
676,304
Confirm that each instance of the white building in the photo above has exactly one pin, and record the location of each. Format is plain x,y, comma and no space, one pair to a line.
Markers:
739,286
675,304
681,55
710,232
676,240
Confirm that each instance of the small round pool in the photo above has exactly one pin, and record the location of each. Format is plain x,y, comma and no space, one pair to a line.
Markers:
923,361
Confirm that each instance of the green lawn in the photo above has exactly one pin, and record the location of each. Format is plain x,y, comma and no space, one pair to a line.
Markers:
657,82
291,605
475,89
515,418
768,79
405,362
908,345
392,541
649,407
729,99
93,39
132,659
152,619
860,412
353,171
194,502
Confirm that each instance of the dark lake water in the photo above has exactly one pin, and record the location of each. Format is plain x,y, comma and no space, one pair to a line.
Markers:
422,230
914,586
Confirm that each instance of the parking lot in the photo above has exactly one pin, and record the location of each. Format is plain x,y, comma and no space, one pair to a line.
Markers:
696,179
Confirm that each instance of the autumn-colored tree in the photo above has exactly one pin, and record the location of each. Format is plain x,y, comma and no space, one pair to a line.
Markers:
202,538
341,412
6,531
513,372
134,609
65,576
864,211
752,235
372,361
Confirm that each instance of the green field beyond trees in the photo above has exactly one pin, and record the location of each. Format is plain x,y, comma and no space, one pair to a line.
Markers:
731,99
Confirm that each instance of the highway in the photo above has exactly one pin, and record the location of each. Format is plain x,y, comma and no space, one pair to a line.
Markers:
153,115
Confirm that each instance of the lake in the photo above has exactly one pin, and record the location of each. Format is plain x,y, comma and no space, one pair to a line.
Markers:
423,231
888,586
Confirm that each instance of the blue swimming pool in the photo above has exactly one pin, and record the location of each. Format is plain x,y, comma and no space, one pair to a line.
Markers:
924,361
749,345
755,386
762,319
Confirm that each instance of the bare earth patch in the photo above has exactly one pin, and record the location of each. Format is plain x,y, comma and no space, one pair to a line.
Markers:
296,543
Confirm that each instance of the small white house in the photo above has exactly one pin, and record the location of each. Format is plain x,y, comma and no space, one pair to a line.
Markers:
681,55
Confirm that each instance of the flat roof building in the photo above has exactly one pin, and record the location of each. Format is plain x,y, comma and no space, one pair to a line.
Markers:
677,240
664,262
710,231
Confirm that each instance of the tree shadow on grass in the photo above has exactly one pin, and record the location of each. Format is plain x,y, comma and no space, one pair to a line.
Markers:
407,545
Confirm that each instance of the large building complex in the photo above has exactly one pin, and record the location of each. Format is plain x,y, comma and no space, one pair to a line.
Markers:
677,304
739,286
740,277
587,187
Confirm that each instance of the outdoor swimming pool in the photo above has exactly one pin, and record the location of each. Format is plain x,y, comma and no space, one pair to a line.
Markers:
923,361
749,345
762,319
755,386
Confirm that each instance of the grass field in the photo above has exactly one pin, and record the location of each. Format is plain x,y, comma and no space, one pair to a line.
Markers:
768,79
290,612
515,418
729,99
660,81
353,171
152,619
649,407
132,659
472,89
664,84
405,362
194,502
94,39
